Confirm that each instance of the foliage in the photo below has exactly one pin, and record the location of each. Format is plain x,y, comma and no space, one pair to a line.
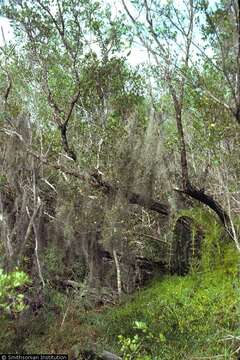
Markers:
53,258
67,87
177,308
11,300
139,344
212,247
167,320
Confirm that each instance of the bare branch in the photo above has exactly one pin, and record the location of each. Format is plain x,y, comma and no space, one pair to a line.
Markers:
71,107
162,53
47,10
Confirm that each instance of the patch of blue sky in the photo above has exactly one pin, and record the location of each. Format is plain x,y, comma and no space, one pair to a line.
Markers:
137,54
140,55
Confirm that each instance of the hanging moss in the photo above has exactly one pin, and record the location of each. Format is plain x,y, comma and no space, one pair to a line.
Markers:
198,241
186,244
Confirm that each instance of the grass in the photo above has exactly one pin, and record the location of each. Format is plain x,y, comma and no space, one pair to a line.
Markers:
196,317
194,314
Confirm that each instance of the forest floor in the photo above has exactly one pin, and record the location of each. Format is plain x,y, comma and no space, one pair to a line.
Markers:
192,317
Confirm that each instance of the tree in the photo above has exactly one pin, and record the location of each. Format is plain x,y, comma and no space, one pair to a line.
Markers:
170,45
87,119
75,98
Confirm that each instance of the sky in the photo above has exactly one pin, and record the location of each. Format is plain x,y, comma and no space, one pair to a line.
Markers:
6,31
138,54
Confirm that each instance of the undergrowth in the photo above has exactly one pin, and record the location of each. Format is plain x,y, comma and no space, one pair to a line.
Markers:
192,317
184,318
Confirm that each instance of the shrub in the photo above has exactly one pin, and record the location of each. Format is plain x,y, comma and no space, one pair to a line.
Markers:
11,300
